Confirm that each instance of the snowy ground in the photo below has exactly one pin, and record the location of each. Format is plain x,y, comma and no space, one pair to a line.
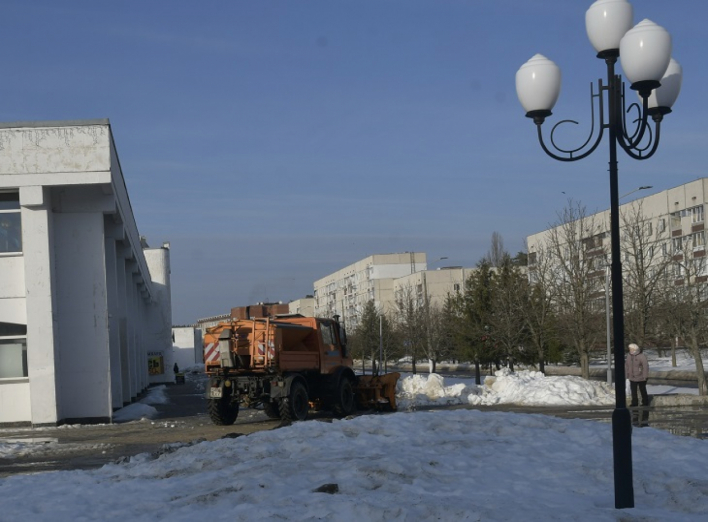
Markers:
443,465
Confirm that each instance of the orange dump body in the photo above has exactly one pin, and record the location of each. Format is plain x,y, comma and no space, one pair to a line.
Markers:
267,345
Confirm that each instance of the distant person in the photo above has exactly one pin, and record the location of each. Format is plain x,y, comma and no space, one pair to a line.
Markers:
637,368
176,368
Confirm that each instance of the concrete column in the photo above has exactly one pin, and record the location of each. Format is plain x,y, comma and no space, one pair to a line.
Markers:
113,232
131,304
38,248
122,325
82,313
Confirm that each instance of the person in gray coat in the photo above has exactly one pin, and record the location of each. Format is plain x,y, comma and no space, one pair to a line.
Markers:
637,368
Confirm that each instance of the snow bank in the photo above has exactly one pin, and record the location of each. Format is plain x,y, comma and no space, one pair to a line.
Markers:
528,388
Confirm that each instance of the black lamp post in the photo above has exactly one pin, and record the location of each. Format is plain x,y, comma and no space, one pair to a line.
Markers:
647,64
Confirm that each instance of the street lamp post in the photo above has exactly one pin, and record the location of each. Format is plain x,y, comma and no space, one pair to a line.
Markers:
645,50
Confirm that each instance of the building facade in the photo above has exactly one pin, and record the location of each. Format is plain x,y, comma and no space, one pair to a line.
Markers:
81,302
435,285
187,346
665,230
304,306
346,291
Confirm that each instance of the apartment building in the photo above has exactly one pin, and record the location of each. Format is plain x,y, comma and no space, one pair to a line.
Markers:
346,291
303,306
672,226
387,279
435,284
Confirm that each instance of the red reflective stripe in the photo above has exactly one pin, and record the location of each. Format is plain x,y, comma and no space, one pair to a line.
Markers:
211,353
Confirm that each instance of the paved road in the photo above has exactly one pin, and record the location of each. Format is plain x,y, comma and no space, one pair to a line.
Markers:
183,421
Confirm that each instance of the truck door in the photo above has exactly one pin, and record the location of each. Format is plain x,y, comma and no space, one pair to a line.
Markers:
331,355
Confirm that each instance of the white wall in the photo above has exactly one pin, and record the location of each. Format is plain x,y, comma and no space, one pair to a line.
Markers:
82,283
187,346
159,335
15,402
82,313
38,254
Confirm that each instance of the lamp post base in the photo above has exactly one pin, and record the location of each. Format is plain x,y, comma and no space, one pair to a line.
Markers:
622,453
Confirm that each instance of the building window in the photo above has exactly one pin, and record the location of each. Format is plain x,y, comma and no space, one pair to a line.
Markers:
697,214
662,225
675,220
13,350
699,240
10,223
677,244
456,287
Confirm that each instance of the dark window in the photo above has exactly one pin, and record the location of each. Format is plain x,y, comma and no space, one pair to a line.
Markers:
10,223
9,201
12,329
327,334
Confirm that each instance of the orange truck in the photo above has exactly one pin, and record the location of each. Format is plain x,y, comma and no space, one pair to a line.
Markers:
288,365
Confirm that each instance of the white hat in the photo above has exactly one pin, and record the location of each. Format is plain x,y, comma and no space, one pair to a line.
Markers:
634,349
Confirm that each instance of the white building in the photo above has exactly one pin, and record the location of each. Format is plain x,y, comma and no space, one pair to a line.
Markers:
187,346
346,291
385,278
673,228
81,303
436,284
304,306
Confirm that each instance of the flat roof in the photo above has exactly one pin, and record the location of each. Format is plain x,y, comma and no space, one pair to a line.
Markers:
66,123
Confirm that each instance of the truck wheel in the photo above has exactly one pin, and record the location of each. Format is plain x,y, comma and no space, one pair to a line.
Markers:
223,412
271,410
297,404
344,398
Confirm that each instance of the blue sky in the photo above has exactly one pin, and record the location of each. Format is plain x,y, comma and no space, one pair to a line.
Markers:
272,143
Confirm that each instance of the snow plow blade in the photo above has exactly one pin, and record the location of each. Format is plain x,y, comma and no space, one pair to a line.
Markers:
377,391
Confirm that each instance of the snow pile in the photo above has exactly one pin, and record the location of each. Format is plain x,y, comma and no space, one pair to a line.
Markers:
143,409
536,389
445,465
528,388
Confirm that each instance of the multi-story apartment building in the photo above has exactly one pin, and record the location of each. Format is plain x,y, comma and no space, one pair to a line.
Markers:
666,228
303,306
387,279
346,291
435,284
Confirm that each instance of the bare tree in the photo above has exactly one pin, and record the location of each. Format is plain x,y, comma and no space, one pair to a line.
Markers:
539,295
687,304
439,345
496,254
579,260
643,268
410,326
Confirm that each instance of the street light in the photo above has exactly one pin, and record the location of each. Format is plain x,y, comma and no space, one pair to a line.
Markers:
647,64
645,187
438,259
